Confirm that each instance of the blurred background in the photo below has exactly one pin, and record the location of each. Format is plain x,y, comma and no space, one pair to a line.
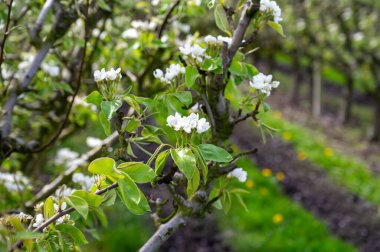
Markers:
314,183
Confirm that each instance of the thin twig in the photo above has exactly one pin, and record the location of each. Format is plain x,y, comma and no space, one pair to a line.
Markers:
166,19
41,19
2,45
79,83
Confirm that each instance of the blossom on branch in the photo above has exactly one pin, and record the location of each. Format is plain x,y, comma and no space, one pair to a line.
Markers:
188,124
271,7
263,83
238,173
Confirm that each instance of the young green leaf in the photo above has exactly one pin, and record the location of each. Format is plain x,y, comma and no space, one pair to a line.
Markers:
76,235
215,153
79,204
190,76
184,97
139,172
124,192
193,183
185,160
49,208
27,235
132,125
92,199
221,19
201,161
105,123
277,27
110,107
104,166
94,98
161,161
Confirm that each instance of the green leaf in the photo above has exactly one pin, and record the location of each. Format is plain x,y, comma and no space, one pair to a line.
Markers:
221,19
76,235
110,107
102,4
79,204
105,123
184,97
124,191
277,27
133,102
27,235
109,198
193,183
201,161
49,208
185,160
266,107
130,188
139,172
132,125
161,161
215,153
94,98
104,166
190,76
237,67
92,199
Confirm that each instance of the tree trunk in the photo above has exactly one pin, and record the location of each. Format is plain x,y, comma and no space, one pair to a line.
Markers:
317,88
347,112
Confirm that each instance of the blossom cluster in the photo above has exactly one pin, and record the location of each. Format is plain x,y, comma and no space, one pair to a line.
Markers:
194,51
188,123
110,75
238,173
58,208
217,40
171,72
13,182
66,157
271,7
93,142
264,83
84,181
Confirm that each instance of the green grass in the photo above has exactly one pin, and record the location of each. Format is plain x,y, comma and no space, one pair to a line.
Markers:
346,170
256,229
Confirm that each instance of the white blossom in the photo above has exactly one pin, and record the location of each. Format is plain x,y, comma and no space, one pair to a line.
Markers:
93,141
100,75
210,39
171,72
112,74
63,219
202,125
174,121
23,216
39,220
58,208
264,83
84,181
109,75
130,33
222,39
272,8
155,2
238,173
194,51
13,182
64,191
66,156
52,70
188,123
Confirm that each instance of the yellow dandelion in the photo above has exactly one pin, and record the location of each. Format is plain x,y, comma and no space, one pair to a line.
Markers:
301,155
263,191
280,176
266,172
277,218
277,115
328,152
287,136
250,183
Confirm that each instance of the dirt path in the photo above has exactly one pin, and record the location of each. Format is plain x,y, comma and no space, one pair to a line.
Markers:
348,216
